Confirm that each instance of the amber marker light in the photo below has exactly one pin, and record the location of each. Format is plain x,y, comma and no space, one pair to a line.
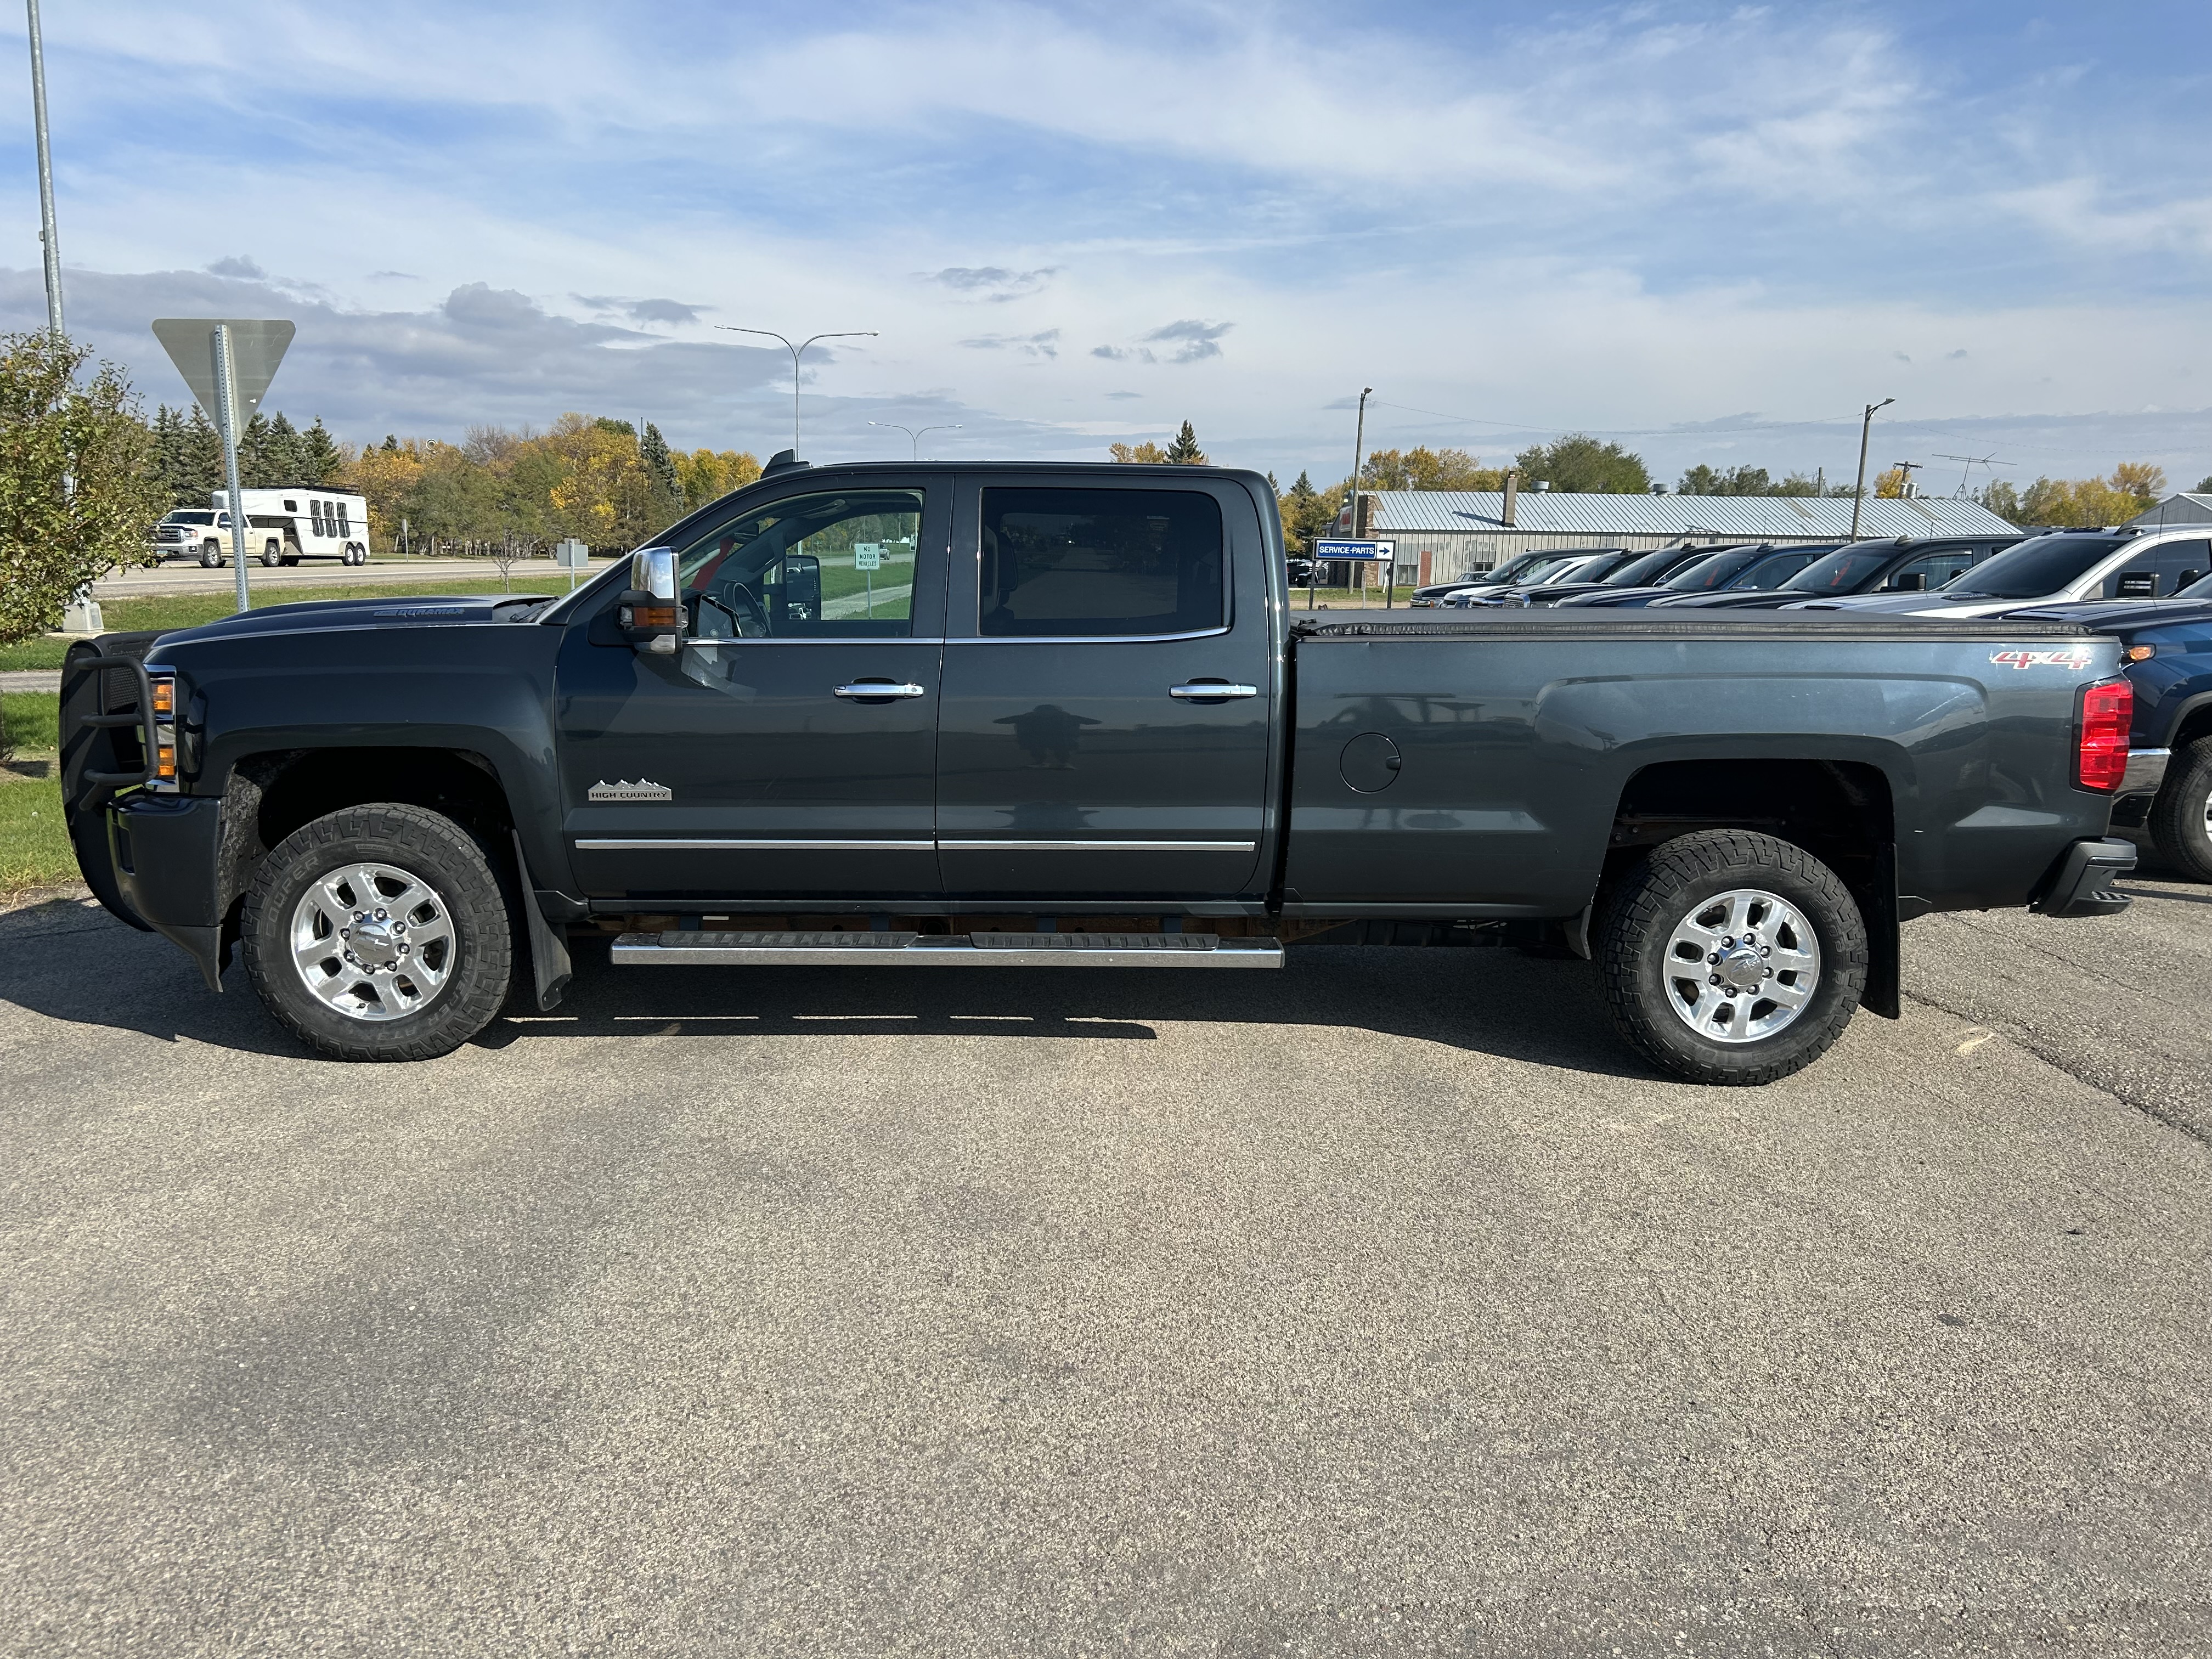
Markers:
2139,653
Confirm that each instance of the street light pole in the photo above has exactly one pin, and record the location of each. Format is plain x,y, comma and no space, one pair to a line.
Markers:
795,351
1866,429
915,432
1358,448
48,237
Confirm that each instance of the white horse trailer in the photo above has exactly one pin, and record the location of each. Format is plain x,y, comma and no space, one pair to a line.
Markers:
307,523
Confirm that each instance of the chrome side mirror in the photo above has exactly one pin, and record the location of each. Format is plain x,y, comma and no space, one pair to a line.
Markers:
649,613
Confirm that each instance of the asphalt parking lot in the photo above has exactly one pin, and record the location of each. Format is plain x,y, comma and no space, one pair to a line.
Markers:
1383,1306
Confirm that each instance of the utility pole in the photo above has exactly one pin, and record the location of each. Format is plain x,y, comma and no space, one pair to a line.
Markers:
1908,468
795,351
1866,429
1358,448
49,237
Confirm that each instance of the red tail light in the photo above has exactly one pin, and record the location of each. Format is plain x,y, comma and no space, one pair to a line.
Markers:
2107,709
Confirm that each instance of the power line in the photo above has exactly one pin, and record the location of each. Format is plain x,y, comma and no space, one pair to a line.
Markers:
1620,432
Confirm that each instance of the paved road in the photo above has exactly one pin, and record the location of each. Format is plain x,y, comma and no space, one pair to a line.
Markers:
1384,1306
178,577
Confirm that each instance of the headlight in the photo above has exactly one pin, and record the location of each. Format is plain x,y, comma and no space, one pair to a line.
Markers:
161,764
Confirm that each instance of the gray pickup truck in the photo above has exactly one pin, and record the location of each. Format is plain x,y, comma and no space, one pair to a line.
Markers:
1027,716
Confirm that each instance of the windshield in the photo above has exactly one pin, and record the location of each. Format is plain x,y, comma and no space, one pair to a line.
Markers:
1512,570
1713,570
2033,569
184,517
1637,573
1580,570
1843,571
1769,572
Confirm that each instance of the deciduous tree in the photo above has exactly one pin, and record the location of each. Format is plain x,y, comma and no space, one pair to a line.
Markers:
79,491
1580,465
1428,469
1147,453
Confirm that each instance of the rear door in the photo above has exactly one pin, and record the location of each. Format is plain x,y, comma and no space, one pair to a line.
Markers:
762,761
1109,690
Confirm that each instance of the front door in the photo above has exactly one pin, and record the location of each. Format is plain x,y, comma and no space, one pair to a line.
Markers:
786,751
1108,691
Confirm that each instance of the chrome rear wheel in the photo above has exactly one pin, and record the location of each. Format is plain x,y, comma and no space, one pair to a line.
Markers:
1742,965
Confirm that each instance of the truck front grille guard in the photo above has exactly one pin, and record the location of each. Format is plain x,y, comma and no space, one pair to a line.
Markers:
141,717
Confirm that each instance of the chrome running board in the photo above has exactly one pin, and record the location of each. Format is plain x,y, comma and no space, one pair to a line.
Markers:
701,949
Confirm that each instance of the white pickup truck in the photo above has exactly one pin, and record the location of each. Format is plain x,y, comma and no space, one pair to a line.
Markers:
282,526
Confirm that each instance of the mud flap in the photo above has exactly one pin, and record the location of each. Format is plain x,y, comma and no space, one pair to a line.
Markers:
548,953
1885,981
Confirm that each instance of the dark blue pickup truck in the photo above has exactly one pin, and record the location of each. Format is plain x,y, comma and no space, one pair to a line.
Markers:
2166,654
1030,715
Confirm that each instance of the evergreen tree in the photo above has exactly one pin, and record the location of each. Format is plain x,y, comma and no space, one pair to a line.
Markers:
173,462
1306,514
199,467
390,443
1184,451
319,460
253,452
281,461
660,464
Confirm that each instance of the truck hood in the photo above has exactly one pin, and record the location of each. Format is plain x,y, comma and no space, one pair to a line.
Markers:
431,610
1917,605
2120,616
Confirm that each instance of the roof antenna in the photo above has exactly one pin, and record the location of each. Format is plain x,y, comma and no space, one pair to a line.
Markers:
1972,462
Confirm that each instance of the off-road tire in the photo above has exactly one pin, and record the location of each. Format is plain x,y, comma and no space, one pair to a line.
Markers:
1640,919
2177,827
444,854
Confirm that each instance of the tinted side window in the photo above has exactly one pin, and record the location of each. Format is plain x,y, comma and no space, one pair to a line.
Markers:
836,566
2182,563
2135,580
1933,569
1102,561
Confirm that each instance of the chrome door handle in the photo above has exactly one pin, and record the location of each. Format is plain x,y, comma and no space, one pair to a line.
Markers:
867,690
1188,692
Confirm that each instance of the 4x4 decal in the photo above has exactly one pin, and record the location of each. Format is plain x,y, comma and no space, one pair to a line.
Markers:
2072,656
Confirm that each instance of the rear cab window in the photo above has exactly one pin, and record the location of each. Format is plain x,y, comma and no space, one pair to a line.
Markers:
1099,563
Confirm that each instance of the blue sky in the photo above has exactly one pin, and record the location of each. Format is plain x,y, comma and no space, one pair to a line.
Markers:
1716,230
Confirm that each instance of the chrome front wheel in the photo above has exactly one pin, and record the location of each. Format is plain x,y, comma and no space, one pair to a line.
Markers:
373,941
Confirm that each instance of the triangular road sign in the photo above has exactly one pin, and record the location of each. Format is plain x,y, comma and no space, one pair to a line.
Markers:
257,346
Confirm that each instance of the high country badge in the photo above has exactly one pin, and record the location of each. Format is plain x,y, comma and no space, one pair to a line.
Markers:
623,789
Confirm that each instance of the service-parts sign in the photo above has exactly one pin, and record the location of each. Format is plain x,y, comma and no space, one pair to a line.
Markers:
2072,656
